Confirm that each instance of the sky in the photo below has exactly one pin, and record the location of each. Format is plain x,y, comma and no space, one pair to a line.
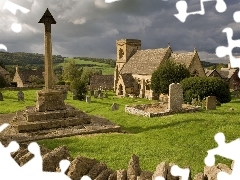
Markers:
90,28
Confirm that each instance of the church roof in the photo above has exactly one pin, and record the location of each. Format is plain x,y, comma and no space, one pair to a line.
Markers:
128,80
183,58
227,73
105,81
145,61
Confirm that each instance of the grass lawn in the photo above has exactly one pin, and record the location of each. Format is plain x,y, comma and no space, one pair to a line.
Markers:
181,138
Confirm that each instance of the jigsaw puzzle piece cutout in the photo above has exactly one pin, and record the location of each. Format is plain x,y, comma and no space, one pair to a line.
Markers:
227,150
36,161
5,125
236,16
182,6
159,178
222,51
88,178
177,171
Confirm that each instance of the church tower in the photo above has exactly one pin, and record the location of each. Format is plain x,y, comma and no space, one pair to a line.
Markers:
126,48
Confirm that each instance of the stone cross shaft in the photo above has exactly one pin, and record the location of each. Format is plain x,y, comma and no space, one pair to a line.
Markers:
47,19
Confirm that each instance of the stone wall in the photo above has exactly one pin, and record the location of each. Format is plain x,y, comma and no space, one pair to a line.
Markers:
135,110
81,166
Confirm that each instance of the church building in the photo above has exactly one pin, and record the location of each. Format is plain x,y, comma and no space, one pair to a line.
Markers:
134,67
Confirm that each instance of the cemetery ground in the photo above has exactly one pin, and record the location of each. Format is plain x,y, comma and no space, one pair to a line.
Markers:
181,138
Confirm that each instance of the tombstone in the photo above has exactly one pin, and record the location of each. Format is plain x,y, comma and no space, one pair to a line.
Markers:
92,92
211,103
99,91
20,95
106,95
1,96
115,107
74,91
100,95
175,99
95,94
88,99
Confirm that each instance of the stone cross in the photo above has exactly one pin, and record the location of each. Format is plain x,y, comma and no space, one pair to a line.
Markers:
47,19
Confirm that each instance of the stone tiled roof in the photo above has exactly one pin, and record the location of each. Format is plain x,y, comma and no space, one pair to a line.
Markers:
209,72
128,80
144,61
227,73
25,74
183,58
105,81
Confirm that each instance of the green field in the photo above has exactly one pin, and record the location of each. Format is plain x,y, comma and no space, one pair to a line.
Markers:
106,68
181,138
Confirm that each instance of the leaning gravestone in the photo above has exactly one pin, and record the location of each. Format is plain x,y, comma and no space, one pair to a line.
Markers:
175,100
211,103
20,95
115,107
1,96
88,99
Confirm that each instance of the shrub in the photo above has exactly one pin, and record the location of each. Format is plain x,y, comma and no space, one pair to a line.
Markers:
81,89
3,82
201,87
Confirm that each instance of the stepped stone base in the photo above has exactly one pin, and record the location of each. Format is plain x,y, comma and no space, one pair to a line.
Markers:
31,120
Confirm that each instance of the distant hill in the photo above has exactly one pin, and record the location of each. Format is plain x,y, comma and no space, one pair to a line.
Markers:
111,62
209,65
23,59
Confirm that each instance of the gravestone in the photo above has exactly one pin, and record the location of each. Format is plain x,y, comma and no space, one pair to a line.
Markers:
115,107
92,93
95,94
100,95
175,99
99,91
20,95
74,91
88,99
106,95
1,96
211,103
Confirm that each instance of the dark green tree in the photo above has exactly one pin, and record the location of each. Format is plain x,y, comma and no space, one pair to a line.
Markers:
167,73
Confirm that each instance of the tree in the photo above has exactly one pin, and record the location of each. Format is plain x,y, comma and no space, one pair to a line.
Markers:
167,73
80,88
202,87
71,71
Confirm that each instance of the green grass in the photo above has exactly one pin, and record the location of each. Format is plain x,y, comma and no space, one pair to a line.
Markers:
106,68
181,138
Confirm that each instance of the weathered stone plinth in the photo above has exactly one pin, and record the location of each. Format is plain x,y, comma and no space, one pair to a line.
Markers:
33,120
49,100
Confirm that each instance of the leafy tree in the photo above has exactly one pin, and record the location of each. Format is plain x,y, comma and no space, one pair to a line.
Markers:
71,71
167,73
80,87
88,73
202,87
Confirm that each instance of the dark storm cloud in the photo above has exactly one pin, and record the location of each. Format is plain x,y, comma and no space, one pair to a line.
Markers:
91,27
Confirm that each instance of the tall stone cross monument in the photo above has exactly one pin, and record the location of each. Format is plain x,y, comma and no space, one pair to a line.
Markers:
47,19
49,99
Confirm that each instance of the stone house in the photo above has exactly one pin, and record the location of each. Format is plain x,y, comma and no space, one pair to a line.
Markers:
134,67
229,74
5,74
101,81
25,78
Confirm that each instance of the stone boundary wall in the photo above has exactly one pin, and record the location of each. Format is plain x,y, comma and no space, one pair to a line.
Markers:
96,170
134,110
